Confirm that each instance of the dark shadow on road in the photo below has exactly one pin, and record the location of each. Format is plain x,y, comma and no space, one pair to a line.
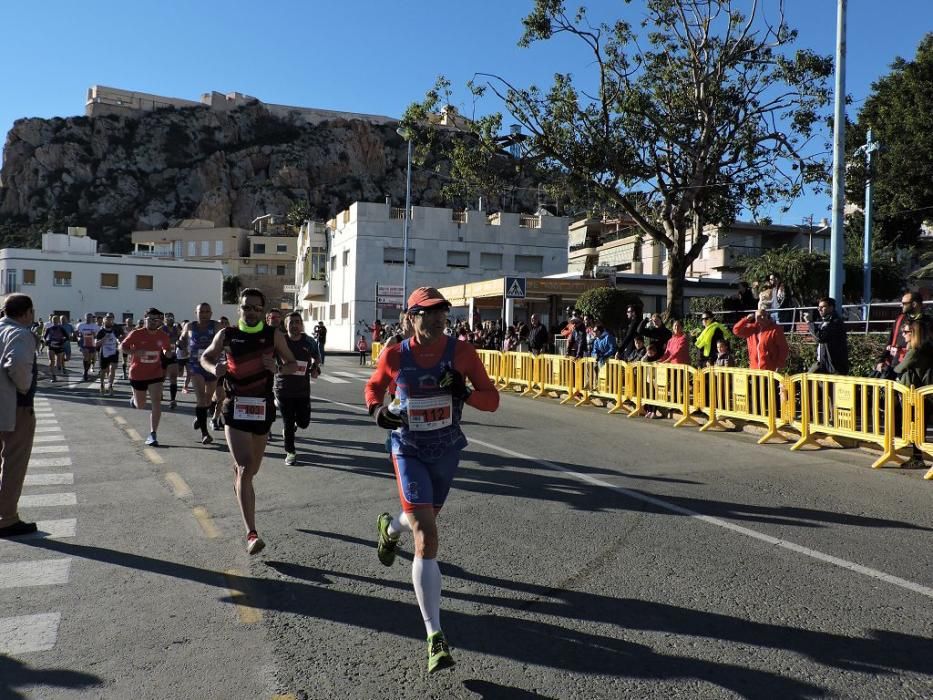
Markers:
313,593
14,675
494,691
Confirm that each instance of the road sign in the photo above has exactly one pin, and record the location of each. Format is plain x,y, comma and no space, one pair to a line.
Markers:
389,296
290,289
515,287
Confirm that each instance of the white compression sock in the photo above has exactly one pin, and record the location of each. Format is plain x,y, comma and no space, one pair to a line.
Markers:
426,575
399,525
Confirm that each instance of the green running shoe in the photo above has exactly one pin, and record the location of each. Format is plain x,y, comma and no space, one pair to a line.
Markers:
438,653
385,547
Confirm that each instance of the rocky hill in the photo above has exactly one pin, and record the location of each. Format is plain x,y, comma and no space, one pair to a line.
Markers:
114,174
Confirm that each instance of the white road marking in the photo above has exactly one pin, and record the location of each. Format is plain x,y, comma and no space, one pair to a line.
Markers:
333,380
49,462
48,428
49,479
47,438
27,633
351,375
48,572
47,529
41,500
708,519
44,449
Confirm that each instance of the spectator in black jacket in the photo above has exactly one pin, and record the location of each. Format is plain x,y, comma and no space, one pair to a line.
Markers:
655,329
538,338
829,331
633,313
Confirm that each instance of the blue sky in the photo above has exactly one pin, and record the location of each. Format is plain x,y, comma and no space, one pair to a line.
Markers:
355,55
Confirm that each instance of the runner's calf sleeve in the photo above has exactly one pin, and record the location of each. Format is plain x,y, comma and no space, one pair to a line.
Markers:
426,577
173,390
201,413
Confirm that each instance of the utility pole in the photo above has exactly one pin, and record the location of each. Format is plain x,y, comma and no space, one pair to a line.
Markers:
868,151
837,238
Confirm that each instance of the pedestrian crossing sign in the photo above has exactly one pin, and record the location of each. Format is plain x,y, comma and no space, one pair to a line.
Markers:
515,287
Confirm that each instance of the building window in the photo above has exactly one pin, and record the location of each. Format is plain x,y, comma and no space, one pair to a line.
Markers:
346,258
345,310
393,256
218,248
333,264
29,277
262,269
61,278
205,248
280,270
529,263
333,311
259,248
109,280
281,247
318,267
144,282
192,249
458,258
490,261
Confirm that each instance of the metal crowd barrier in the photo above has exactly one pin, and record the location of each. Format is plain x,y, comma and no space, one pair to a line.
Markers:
664,386
870,410
877,411
751,395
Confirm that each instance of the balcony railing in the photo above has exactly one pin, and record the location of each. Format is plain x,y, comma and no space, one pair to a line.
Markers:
397,213
459,217
529,221
153,253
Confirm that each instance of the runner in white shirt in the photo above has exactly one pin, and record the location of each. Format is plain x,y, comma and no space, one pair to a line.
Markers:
108,344
86,335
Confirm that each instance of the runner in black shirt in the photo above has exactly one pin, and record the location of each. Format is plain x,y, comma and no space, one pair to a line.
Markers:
293,391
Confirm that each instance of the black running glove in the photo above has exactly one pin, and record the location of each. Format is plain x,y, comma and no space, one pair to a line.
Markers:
385,418
451,380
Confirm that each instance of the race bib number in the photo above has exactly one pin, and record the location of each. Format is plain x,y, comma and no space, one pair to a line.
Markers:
148,357
249,408
88,340
302,368
430,412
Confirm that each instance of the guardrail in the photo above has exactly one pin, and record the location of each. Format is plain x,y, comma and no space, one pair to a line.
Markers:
876,411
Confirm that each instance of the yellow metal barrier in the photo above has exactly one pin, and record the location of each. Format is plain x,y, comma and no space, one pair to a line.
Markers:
857,408
751,395
557,374
920,423
518,369
608,383
374,353
664,386
492,361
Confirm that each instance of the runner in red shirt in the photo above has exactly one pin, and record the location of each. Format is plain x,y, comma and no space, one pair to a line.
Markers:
147,348
430,371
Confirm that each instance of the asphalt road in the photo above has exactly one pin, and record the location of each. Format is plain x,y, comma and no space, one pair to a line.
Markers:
584,556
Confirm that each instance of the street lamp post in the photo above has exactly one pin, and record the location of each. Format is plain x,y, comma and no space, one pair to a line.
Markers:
837,239
405,134
868,150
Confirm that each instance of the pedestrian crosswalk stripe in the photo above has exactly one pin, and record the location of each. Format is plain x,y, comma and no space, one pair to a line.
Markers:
351,375
333,380
54,529
27,633
43,449
48,572
47,500
50,462
49,479
47,438
48,428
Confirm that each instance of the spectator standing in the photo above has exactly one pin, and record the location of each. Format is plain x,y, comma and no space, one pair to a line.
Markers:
652,352
724,354
677,352
832,350
362,348
653,328
637,352
538,339
376,331
767,346
320,335
916,370
633,314
911,310
577,347
18,373
708,338
604,345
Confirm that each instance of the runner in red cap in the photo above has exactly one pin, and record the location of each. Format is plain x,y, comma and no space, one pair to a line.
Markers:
430,371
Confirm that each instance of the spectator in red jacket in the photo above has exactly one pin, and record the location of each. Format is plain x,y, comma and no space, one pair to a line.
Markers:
677,351
767,346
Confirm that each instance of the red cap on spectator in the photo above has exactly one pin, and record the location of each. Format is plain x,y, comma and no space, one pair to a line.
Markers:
426,298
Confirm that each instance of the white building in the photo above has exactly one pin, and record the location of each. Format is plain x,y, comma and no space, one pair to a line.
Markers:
362,247
67,276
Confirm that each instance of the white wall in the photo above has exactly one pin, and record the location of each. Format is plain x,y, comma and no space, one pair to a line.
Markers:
178,285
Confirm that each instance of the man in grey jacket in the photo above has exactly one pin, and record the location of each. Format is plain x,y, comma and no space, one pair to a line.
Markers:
17,421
